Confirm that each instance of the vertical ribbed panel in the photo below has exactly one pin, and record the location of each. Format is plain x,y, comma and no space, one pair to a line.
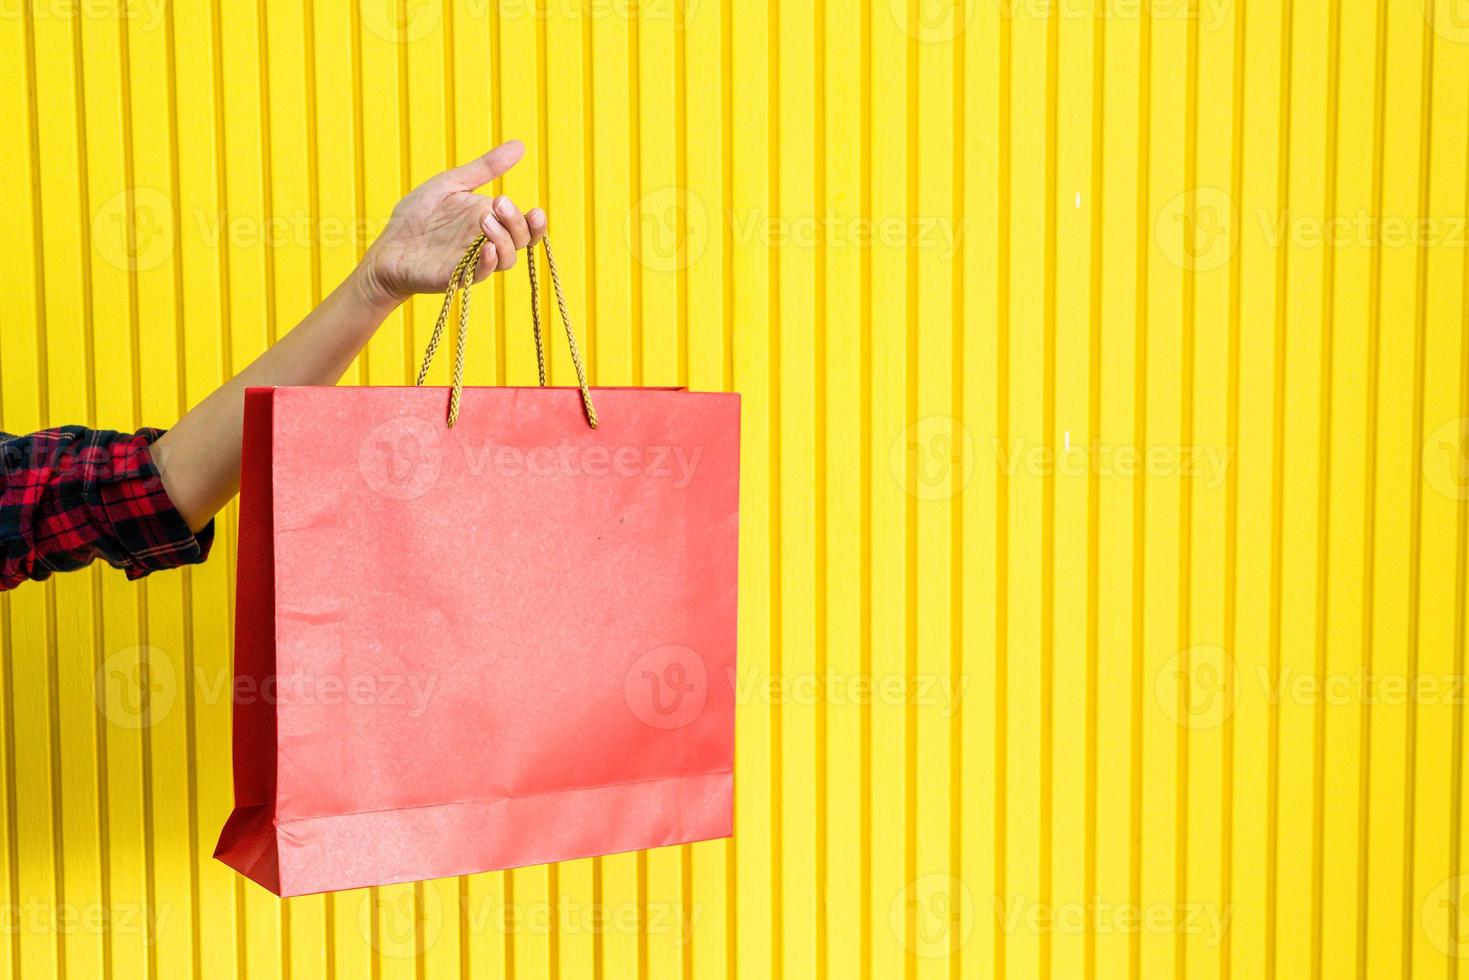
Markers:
1105,493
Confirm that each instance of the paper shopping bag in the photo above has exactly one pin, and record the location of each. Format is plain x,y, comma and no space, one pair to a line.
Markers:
463,648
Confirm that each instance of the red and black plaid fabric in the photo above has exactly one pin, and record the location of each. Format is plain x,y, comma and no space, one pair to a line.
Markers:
71,495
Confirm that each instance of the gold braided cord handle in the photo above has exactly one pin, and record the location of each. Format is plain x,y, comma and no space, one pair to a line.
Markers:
535,315
460,281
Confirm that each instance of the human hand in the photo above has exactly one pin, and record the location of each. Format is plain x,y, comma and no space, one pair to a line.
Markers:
430,229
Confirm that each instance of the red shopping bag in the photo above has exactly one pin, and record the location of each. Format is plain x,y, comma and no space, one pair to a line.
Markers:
467,647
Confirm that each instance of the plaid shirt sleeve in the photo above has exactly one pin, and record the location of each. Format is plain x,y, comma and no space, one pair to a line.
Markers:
71,495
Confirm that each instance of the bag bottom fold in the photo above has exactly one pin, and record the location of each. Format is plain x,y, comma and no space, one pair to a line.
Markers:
308,855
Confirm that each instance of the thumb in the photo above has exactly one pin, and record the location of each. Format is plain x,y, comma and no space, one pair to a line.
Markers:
483,169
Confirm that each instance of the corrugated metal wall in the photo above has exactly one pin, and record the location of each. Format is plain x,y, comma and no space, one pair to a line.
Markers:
1106,416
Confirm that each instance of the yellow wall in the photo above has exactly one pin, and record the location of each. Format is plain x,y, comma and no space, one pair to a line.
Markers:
934,245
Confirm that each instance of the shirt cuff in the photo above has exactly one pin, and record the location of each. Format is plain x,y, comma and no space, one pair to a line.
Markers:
149,532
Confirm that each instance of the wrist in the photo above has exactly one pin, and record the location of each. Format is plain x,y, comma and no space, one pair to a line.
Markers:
367,287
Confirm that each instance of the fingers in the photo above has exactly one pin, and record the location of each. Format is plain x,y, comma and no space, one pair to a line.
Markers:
512,221
535,222
488,257
481,170
500,238
507,231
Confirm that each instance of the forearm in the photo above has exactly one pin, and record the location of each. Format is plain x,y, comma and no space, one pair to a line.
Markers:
199,458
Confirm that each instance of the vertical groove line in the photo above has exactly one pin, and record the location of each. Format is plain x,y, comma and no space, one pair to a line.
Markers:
910,509
1094,488
1140,489
1369,516
635,179
1002,481
822,461
777,581
681,178
191,725
405,169
865,357
726,94
150,884
956,503
359,156
1046,842
1461,574
1277,492
451,102
221,190
1231,491
313,153
1415,597
1188,325
1323,500
267,178
497,72
543,184
589,209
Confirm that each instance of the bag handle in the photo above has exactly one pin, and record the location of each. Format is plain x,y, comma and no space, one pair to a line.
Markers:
460,280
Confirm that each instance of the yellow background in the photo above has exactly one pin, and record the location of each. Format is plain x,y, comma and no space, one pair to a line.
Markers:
1097,366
